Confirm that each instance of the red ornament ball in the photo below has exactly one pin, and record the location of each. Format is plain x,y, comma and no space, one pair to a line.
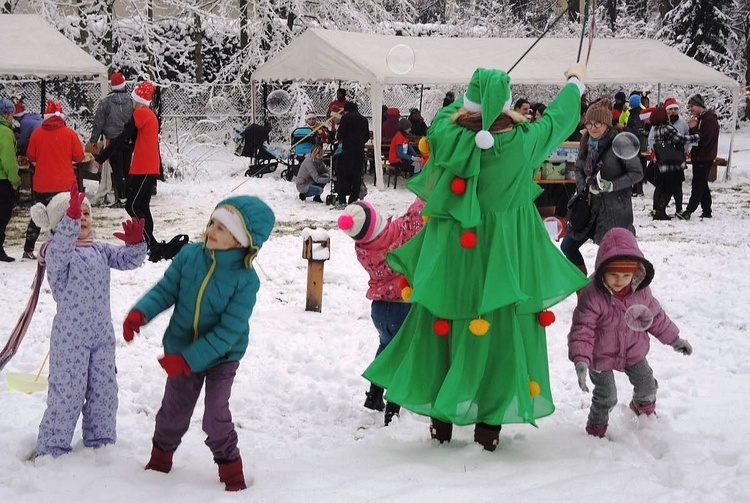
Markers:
468,239
458,186
441,327
546,318
403,282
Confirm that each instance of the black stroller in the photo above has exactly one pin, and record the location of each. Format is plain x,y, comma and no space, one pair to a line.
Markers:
263,161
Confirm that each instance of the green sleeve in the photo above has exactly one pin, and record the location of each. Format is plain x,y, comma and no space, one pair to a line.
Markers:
559,120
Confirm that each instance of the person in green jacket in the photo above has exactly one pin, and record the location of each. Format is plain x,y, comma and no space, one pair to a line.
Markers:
9,179
481,273
212,286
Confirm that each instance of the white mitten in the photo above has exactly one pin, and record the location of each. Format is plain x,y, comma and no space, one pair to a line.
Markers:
682,346
582,371
577,70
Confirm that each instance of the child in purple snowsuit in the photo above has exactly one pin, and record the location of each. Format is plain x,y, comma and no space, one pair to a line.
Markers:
374,238
615,314
82,343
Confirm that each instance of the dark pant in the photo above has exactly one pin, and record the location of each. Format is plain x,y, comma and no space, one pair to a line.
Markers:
138,203
388,318
667,186
349,174
180,396
7,201
571,247
700,194
33,230
120,163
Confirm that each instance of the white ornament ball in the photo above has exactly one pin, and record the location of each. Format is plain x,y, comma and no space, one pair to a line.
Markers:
484,140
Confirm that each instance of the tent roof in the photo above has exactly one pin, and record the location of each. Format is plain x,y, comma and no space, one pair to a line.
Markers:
34,48
328,55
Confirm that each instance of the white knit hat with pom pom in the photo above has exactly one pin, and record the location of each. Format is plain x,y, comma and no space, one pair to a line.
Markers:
48,217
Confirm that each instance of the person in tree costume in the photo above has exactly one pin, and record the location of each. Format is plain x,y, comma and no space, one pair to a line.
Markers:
483,270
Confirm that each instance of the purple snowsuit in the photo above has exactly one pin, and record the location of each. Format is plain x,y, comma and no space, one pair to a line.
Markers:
82,344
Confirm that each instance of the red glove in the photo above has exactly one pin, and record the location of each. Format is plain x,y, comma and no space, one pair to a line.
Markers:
133,231
132,324
175,365
76,199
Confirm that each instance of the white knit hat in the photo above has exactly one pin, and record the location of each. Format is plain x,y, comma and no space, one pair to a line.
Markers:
234,223
48,217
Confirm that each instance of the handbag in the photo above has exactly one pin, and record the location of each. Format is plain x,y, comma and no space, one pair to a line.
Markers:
666,153
579,210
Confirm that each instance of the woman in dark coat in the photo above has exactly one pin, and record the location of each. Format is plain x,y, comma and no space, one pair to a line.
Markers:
609,179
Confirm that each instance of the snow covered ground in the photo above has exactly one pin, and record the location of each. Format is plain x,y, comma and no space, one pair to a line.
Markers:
297,400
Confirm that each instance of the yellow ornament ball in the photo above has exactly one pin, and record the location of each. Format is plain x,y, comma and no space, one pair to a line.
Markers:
479,326
423,146
406,292
534,388
426,218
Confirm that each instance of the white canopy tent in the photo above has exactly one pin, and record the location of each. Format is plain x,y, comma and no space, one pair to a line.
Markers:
34,48
320,55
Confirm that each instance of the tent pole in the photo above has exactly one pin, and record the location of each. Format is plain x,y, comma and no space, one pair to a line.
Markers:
733,122
252,101
376,99
44,96
658,93
421,94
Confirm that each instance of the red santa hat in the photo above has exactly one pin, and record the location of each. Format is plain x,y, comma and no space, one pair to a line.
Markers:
646,114
311,115
54,108
20,110
670,103
117,81
143,93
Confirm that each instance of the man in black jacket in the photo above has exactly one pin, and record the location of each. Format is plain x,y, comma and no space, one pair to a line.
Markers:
704,123
353,132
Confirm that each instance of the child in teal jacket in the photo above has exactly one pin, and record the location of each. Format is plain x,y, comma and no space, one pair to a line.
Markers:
212,286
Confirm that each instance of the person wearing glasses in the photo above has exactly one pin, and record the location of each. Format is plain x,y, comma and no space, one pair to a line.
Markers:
609,179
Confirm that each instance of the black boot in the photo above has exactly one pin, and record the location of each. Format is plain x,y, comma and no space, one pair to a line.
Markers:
4,256
440,430
374,398
486,435
391,409
317,199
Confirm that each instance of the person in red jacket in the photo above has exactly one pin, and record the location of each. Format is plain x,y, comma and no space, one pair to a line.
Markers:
144,167
53,148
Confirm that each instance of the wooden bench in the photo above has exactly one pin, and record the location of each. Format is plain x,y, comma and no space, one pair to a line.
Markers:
385,148
714,171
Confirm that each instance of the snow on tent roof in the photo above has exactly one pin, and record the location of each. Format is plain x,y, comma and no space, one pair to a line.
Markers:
328,55
34,48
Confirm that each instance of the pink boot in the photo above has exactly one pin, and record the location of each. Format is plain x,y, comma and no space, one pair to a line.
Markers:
232,476
646,408
161,461
596,430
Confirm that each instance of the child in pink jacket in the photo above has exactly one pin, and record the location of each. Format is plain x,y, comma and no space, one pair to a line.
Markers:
374,237
615,314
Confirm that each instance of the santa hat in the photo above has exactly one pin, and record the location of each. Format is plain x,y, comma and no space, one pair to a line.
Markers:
20,110
48,217
143,93
621,266
361,221
231,219
311,115
488,93
54,108
117,81
646,113
671,103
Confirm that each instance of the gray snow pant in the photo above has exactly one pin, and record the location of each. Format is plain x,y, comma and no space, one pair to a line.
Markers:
605,392
180,396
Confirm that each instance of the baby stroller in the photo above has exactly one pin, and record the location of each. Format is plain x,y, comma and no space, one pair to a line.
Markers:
303,141
263,161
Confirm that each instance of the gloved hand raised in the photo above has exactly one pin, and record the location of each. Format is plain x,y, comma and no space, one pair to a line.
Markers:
604,185
582,371
175,365
76,200
133,231
577,70
132,324
682,346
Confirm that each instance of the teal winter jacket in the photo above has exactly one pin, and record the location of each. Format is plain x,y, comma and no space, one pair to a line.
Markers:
213,294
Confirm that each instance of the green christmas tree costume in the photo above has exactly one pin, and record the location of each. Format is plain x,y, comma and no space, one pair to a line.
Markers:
482,268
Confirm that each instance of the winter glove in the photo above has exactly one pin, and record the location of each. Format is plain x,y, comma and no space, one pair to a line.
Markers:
592,185
577,70
175,365
132,324
76,200
682,346
582,371
133,231
604,185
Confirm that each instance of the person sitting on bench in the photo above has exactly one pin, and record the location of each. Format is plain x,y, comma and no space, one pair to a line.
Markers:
402,155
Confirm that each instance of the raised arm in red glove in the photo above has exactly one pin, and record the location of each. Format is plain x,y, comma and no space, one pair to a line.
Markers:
132,324
175,365
76,200
133,231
